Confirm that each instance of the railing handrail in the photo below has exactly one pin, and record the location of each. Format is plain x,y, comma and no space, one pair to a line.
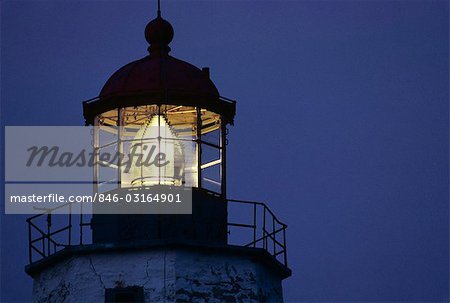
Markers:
259,203
49,210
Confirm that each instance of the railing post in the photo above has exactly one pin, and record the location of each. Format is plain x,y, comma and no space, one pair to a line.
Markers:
274,236
81,227
29,243
264,228
49,225
70,224
284,246
254,225
43,244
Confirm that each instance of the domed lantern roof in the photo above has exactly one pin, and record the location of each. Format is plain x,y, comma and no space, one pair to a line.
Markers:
153,74
159,79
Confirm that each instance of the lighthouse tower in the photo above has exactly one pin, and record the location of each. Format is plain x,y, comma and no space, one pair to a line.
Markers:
163,257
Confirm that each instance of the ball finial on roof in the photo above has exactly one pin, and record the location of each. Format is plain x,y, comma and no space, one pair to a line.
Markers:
159,33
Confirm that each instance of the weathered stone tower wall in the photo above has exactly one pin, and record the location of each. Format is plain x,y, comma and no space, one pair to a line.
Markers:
164,274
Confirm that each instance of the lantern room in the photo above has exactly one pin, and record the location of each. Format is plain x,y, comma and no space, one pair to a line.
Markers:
155,110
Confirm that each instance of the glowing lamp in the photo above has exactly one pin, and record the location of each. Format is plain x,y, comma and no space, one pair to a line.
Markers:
161,158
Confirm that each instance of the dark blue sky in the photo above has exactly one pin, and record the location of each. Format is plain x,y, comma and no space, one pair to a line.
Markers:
341,127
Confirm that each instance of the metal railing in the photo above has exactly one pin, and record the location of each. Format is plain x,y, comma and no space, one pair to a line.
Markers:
45,240
45,237
267,231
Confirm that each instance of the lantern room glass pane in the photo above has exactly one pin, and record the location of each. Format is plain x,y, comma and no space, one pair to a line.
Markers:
211,178
211,160
210,156
107,169
105,151
210,127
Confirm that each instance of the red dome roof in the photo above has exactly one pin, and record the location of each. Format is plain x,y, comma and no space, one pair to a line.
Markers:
159,79
157,74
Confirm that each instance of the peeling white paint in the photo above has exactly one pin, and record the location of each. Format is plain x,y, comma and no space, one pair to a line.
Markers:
166,276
